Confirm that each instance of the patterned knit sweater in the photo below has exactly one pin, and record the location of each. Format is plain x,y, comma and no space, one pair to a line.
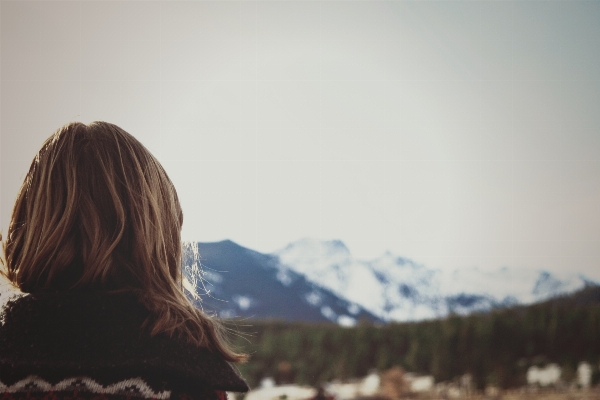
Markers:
79,346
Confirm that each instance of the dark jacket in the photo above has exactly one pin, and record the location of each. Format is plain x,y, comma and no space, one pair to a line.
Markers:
93,344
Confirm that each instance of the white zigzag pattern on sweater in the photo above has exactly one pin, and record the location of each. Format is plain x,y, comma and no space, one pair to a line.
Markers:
136,387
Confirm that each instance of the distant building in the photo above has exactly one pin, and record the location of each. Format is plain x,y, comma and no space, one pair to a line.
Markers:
366,387
449,390
370,385
419,383
267,382
288,392
584,375
546,376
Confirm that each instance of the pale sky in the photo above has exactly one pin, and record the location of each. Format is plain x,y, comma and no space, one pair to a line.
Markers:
456,133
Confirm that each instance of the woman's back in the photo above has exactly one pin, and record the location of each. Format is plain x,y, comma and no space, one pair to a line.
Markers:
94,343
94,242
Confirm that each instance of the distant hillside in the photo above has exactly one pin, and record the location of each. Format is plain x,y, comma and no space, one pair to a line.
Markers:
495,347
589,295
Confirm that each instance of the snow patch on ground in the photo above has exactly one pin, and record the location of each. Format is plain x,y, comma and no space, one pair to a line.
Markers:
243,302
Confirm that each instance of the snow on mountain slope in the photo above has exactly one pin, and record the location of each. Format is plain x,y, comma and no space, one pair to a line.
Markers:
330,265
233,281
398,289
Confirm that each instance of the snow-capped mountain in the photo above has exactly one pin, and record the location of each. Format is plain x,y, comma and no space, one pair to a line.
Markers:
398,289
234,281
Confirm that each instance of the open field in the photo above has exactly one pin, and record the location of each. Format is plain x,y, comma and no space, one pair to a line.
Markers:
593,394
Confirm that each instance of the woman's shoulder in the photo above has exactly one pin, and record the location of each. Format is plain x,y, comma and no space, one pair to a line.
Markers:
56,336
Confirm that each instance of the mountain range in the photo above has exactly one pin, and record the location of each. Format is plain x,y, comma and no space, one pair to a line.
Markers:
314,280
234,281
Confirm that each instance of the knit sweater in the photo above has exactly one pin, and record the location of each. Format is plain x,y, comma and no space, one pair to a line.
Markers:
81,345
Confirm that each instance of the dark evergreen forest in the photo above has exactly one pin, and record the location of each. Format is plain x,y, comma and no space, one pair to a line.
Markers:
495,347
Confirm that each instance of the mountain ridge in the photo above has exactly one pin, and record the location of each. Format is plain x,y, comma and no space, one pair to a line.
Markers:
314,280
234,281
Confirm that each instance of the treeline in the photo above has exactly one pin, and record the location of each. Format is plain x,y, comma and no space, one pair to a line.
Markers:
495,348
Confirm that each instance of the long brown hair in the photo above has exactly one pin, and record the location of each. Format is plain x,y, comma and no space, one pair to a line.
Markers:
96,210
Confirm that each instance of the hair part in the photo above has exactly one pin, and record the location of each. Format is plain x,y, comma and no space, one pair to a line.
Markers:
97,211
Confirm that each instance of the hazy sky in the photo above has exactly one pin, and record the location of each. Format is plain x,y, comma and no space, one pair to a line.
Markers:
457,133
